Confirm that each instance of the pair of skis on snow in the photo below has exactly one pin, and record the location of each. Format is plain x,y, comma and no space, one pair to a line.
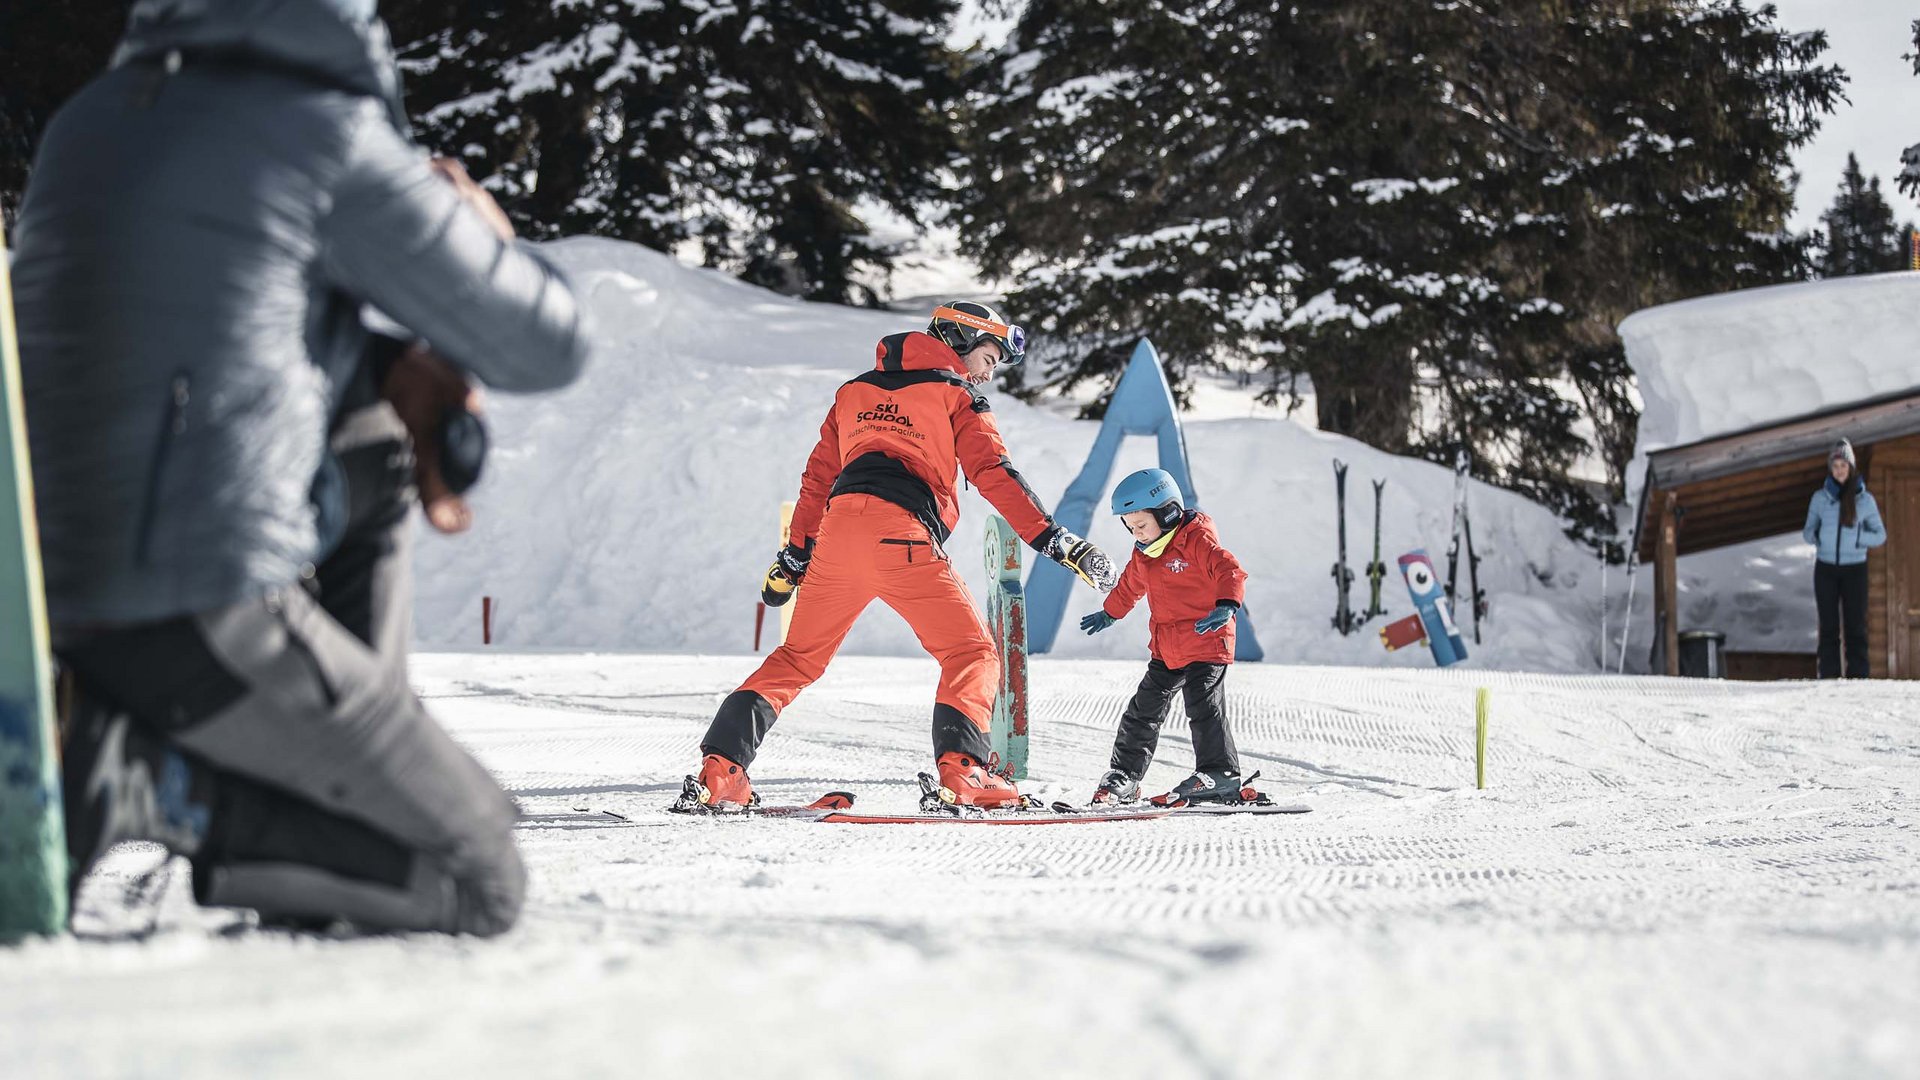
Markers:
836,807
1344,618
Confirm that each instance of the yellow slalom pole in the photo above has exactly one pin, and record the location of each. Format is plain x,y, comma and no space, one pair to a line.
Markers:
1480,737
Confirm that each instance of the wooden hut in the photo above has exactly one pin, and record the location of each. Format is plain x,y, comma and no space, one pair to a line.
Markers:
1745,392
1755,483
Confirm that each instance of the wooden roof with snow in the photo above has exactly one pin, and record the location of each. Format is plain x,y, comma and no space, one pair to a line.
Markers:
1755,483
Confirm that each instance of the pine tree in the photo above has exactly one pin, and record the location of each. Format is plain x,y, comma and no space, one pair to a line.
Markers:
1663,170
1112,175
1861,237
753,128
1909,179
1435,211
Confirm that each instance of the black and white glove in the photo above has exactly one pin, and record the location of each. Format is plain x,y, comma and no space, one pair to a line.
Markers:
784,576
1081,557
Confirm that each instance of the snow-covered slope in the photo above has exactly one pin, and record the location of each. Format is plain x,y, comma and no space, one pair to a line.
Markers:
1664,878
638,509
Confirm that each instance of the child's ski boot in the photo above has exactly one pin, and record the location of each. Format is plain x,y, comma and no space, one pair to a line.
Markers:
1214,788
1115,788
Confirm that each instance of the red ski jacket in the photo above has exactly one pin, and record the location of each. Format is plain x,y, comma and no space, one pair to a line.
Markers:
1191,576
901,431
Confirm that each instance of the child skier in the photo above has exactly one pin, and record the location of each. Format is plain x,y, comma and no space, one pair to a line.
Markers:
1195,588
876,505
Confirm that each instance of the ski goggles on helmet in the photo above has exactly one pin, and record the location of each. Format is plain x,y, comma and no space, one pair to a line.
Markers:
1011,338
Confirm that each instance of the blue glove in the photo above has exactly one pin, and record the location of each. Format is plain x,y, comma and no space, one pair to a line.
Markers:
1215,619
1096,622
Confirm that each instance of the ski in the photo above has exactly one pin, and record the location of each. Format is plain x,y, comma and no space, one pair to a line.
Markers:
1473,577
582,818
1249,802
836,808
692,802
1462,465
1023,816
1147,809
1343,619
936,810
1376,570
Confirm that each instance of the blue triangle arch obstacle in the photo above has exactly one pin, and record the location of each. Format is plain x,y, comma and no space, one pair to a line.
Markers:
1142,405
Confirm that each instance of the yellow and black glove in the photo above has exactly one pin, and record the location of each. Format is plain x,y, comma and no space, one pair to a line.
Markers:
784,576
1088,562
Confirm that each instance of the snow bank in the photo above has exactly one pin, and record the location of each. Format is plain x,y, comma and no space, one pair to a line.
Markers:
639,508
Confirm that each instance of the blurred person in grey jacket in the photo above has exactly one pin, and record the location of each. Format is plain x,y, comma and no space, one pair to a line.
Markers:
225,459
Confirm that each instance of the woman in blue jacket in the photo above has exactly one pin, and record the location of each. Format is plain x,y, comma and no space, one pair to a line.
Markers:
1843,522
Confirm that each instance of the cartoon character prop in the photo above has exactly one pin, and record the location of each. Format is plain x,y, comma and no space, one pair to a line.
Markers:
1424,586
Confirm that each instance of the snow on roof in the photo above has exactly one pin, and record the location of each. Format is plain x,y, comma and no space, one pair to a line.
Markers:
1724,363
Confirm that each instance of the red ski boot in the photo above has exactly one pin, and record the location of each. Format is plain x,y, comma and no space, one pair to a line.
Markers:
964,781
724,785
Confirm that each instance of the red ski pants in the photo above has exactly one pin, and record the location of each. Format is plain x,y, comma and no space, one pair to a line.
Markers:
870,549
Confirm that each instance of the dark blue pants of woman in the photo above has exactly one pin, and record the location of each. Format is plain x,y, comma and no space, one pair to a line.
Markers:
1841,594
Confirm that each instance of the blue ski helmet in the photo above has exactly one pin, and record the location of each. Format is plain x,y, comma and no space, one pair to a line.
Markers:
1150,489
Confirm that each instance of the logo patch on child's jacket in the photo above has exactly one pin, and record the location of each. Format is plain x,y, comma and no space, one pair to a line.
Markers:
1177,565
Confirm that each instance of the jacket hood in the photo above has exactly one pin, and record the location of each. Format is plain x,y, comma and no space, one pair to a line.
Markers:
1195,523
336,43
1191,521
916,351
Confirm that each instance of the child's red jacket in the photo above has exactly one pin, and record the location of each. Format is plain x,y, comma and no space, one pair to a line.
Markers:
1191,576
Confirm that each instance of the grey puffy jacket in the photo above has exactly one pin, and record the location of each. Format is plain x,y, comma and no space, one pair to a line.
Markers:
202,225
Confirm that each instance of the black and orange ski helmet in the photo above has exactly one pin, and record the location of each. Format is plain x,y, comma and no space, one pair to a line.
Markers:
962,323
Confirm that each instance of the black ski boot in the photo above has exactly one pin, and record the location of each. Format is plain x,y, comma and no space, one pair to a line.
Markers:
1115,788
121,783
1203,787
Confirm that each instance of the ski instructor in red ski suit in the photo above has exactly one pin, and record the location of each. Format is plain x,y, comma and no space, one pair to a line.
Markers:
876,506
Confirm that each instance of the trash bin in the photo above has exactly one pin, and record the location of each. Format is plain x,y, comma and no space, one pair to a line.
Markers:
1703,654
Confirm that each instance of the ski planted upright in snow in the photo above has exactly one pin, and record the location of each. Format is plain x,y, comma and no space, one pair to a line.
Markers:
1376,570
1473,577
1463,541
1462,464
1343,618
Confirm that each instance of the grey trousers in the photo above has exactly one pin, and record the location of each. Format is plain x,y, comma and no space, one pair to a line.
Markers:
335,794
